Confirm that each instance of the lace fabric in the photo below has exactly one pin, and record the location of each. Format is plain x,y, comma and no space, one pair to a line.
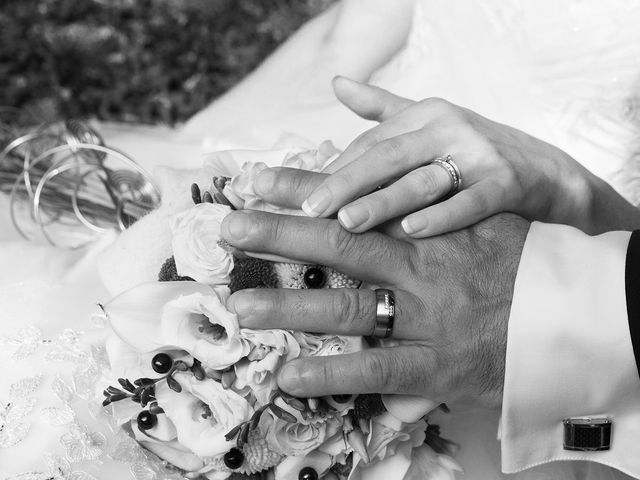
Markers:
80,446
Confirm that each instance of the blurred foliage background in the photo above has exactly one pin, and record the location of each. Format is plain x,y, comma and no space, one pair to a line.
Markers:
140,61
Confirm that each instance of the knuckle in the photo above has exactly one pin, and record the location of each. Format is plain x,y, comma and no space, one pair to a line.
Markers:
368,140
327,374
296,180
437,104
392,149
282,180
379,205
352,310
276,228
341,184
509,179
342,241
479,204
374,371
427,182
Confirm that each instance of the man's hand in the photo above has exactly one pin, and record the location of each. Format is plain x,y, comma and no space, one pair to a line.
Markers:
453,295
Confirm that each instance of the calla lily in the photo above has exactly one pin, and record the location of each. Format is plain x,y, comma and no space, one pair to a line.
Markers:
164,430
203,413
184,315
171,451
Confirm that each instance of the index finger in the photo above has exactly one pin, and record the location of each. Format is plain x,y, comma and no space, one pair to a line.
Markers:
369,256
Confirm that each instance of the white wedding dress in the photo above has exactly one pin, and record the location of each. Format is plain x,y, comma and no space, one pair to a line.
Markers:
567,72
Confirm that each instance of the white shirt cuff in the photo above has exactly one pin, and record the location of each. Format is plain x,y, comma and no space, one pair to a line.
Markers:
569,352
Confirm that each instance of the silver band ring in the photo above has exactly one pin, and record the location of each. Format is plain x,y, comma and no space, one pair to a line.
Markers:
385,313
452,169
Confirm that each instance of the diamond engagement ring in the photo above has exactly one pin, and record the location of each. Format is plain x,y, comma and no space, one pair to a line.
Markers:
452,169
385,313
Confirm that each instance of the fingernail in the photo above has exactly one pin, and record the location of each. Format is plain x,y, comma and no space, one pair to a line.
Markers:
289,378
317,203
236,226
353,216
241,302
264,181
407,227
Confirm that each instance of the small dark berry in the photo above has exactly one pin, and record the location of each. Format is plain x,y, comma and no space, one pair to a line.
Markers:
195,193
161,363
341,398
146,420
308,473
314,278
234,458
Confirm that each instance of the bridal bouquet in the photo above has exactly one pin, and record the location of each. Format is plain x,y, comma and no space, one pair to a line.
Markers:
200,392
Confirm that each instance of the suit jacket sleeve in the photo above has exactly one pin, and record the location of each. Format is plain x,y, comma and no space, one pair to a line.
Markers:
569,349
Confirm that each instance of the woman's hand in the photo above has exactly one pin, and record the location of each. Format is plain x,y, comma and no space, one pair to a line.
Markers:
502,170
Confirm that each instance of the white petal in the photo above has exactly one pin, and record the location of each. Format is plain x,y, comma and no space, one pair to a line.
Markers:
135,314
408,408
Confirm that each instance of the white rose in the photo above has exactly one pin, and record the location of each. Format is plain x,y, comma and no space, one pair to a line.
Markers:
189,316
270,349
195,241
325,345
314,160
300,437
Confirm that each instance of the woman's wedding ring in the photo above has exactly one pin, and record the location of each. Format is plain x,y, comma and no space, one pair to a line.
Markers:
452,169
385,313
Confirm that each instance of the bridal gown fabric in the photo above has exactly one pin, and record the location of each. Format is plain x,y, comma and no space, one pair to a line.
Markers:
563,71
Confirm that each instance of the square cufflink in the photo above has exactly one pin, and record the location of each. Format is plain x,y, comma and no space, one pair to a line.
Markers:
587,434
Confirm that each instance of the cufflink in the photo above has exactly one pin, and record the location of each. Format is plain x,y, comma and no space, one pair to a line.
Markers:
587,434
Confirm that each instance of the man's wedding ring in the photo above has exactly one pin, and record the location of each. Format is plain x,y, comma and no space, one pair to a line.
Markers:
385,313
452,169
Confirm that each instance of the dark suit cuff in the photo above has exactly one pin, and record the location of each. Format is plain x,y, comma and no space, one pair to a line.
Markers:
632,283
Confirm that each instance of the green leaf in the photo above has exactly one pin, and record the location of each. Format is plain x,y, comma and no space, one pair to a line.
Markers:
144,382
244,434
181,366
198,371
174,385
282,414
233,432
294,403
126,384
156,409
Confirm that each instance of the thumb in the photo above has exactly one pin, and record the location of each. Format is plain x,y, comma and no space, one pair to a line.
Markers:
367,101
